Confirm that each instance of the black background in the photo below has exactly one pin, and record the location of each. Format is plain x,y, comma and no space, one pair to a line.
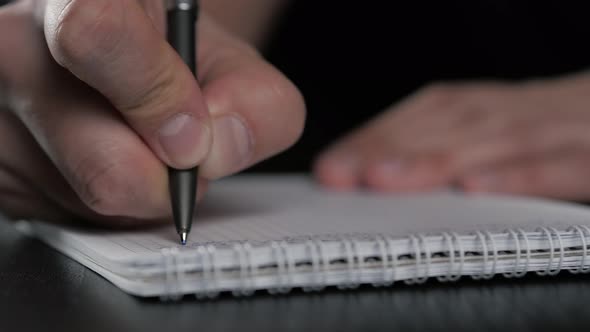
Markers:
352,59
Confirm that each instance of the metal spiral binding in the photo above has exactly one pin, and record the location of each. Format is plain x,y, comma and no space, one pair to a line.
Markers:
417,242
386,250
207,266
285,267
210,272
528,253
483,238
243,252
174,274
360,263
318,264
352,258
449,238
386,261
515,273
279,258
582,231
549,232
417,259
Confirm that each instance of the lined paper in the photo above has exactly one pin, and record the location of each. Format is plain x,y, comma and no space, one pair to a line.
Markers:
266,208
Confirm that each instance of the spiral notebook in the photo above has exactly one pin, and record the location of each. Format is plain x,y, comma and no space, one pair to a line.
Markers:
276,233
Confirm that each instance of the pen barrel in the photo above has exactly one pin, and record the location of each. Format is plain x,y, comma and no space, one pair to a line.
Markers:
182,31
183,194
182,36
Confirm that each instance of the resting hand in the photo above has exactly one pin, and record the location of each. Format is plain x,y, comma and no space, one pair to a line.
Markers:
529,138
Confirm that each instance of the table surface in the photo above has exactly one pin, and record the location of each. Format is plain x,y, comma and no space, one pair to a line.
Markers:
40,289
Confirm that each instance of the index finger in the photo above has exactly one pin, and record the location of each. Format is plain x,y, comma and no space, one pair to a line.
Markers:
114,47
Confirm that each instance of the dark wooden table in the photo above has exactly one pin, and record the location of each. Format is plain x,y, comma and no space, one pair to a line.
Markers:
41,290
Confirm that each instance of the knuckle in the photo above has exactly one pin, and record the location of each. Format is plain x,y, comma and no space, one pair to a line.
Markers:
103,182
98,188
156,95
85,29
272,107
437,97
280,96
288,98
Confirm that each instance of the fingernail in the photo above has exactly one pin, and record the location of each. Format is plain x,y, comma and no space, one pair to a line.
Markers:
232,145
185,140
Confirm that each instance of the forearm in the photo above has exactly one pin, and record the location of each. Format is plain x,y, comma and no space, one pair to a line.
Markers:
252,20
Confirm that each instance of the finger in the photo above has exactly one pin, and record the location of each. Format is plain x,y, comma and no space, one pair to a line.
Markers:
18,207
340,172
256,112
26,166
19,200
386,172
109,170
377,157
115,178
556,176
410,174
368,153
40,183
109,167
157,13
473,135
27,173
259,112
113,46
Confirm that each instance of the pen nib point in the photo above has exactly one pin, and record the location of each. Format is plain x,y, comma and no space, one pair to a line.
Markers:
183,237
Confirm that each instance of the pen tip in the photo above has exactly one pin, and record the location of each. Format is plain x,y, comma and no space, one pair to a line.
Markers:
183,237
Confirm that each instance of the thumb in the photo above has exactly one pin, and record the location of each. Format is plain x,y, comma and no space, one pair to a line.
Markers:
114,47
156,11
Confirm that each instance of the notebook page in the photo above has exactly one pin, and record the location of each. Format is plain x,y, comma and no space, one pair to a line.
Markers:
265,208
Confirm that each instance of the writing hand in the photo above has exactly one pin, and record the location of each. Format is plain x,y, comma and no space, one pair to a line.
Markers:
99,104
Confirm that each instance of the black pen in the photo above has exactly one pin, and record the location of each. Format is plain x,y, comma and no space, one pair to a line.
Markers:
182,20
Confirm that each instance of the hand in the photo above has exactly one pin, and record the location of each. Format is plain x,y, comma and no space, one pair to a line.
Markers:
530,138
99,104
